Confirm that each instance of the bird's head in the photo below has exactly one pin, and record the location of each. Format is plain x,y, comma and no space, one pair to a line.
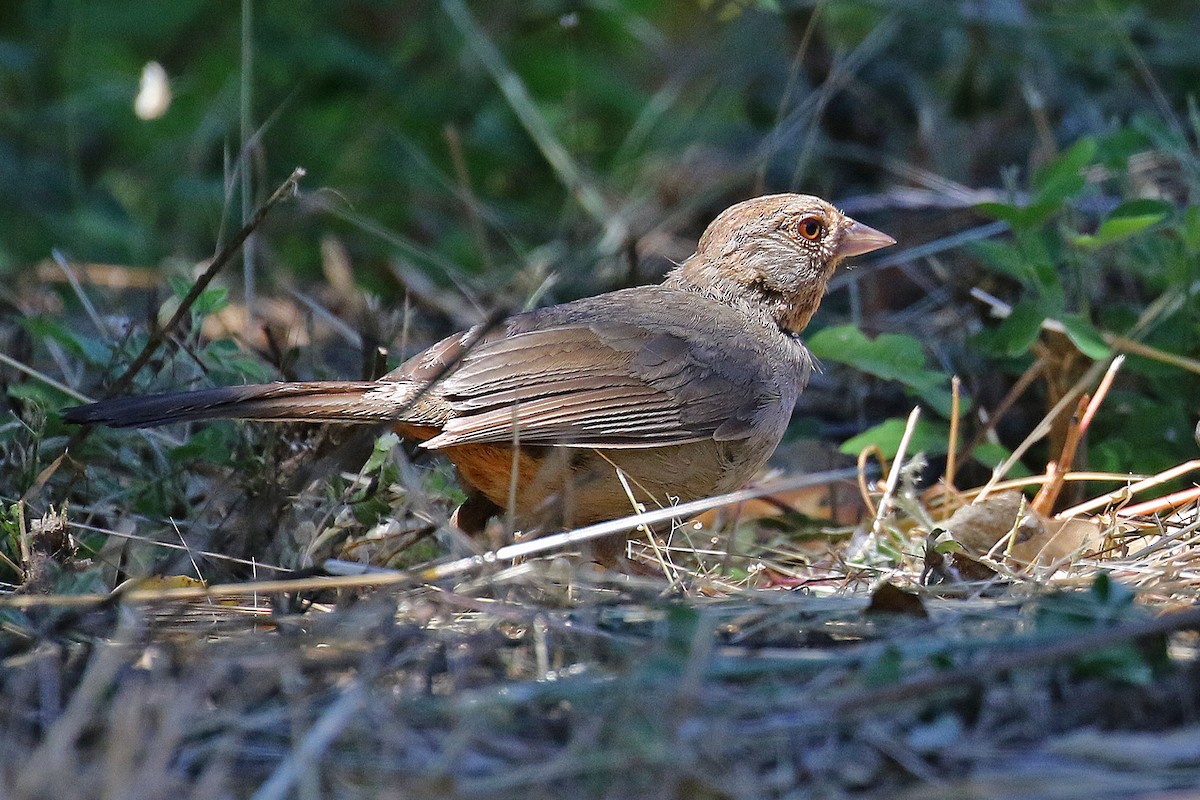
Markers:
777,252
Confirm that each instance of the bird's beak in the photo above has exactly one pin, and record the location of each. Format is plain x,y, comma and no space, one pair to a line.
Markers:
858,239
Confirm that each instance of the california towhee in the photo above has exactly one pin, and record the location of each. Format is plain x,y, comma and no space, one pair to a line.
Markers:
684,387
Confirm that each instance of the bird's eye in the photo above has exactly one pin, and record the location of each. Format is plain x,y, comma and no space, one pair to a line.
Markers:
810,228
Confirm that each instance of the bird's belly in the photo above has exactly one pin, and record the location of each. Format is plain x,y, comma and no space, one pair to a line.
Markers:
568,487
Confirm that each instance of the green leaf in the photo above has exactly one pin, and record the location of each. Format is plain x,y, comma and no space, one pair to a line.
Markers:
1063,177
179,285
1020,217
1004,212
1052,186
1125,221
890,356
211,301
1083,334
1004,258
90,347
381,453
928,437
1017,333
1191,229
948,546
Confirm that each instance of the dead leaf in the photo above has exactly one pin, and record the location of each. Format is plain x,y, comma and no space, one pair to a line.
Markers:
890,599
980,526
1037,539
1060,540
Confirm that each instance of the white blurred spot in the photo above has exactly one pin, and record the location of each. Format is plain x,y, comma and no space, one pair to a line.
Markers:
154,92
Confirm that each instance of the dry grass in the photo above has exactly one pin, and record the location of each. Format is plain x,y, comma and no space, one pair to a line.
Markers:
488,678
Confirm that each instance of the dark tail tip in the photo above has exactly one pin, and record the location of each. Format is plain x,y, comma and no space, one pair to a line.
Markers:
161,409
318,401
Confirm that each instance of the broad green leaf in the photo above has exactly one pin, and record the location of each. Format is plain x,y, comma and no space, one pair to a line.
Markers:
1063,177
1016,334
890,356
931,437
1004,258
1126,220
1191,229
1083,334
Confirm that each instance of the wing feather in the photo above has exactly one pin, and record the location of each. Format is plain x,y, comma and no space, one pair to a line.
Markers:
622,370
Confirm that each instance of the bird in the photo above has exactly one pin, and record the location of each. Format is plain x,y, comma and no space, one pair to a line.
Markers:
578,413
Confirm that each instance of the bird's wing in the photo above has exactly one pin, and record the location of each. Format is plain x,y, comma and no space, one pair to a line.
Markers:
602,384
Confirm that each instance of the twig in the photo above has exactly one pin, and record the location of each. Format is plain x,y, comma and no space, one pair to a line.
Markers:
157,337
1101,393
1161,307
356,576
916,252
1085,413
1056,468
84,300
864,488
1042,428
893,480
952,448
207,554
352,337
46,379
1170,502
1130,490
286,189
772,145
1027,377
245,112
467,195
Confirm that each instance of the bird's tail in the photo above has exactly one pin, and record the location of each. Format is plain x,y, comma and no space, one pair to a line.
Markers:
318,401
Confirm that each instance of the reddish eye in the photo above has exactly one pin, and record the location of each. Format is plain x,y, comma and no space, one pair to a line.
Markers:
810,228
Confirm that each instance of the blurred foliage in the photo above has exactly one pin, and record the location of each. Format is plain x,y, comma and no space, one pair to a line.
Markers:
658,103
